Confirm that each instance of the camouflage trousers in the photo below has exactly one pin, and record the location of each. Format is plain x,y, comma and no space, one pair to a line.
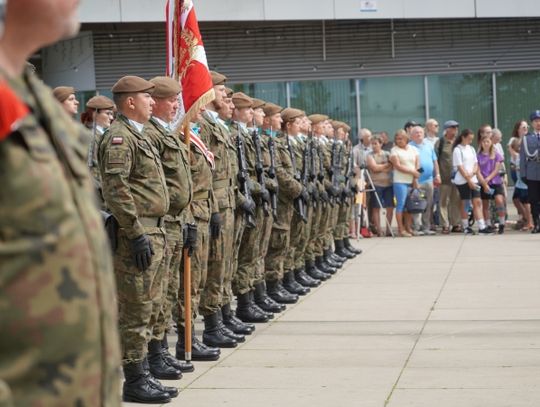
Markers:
323,227
332,222
266,232
341,229
228,285
219,264
303,240
313,248
139,295
171,277
248,255
199,264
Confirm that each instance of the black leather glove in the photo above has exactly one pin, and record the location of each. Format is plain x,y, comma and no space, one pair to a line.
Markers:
334,191
215,225
354,189
142,252
324,196
248,206
314,193
265,195
189,232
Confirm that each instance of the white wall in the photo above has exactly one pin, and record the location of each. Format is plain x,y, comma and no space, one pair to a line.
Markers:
93,11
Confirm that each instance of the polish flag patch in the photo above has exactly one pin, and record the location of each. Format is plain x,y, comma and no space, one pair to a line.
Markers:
117,140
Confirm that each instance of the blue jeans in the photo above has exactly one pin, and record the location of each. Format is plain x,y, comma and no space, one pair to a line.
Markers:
400,193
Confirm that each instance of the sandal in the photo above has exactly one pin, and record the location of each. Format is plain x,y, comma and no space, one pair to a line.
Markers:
405,234
445,230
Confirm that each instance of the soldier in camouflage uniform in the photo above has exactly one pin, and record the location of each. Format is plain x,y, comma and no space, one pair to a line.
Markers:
135,192
289,189
205,212
217,138
296,146
59,344
241,204
174,159
247,310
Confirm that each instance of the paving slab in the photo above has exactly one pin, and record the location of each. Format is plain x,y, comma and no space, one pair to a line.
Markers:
444,320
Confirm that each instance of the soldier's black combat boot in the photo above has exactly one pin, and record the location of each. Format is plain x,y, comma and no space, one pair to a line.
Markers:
233,323
334,256
212,335
255,307
279,294
227,332
171,360
350,247
301,276
323,266
341,251
264,301
246,312
173,391
536,228
199,351
292,286
315,273
158,367
139,389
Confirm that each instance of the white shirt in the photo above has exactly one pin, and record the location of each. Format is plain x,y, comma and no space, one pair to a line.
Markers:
162,123
466,157
137,125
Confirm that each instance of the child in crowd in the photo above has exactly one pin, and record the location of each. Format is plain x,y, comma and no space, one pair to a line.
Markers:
465,165
489,177
520,196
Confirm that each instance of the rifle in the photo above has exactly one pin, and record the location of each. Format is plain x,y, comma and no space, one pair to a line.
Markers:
335,168
349,177
259,168
298,202
307,172
272,174
243,176
320,176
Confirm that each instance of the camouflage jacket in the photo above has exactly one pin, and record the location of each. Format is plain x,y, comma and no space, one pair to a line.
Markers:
132,175
174,158
59,344
217,139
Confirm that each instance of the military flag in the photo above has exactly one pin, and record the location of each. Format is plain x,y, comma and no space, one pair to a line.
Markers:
186,57
12,110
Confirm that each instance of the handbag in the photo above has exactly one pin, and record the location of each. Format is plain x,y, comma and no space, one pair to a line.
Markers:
416,201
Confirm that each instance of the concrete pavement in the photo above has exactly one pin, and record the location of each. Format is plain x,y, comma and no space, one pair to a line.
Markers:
440,321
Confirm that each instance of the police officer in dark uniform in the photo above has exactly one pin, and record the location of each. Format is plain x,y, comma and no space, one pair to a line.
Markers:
530,167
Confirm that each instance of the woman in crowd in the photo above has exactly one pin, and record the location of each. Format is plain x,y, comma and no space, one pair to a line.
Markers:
466,167
378,163
489,177
520,129
520,196
404,159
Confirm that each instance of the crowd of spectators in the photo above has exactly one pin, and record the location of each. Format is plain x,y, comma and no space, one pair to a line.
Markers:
461,177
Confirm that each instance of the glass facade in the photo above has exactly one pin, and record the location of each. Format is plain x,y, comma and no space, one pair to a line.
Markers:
335,98
388,103
275,92
467,98
517,97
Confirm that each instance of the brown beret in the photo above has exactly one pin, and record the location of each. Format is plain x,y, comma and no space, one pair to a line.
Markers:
217,78
347,127
100,102
132,84
289,114
317,118
61,93
165,87
336,124
271,109
258,103
229,92
241,100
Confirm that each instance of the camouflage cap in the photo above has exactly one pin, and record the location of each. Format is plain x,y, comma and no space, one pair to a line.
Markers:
271,109
317,118
217,78
290,113
61,93
132,84
258,103
241,100
100,102
165,87
229,92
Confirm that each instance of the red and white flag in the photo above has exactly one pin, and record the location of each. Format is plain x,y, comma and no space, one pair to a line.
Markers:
186,58
12,110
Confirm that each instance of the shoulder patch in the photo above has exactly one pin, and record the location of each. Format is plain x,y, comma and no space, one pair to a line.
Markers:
117,140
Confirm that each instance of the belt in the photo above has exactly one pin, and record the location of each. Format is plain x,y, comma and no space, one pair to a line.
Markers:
201,195
222,183
151,222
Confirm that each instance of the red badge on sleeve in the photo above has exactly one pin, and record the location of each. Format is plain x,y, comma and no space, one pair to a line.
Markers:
12,110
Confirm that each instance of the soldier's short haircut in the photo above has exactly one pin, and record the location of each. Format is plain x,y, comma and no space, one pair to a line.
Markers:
120,98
